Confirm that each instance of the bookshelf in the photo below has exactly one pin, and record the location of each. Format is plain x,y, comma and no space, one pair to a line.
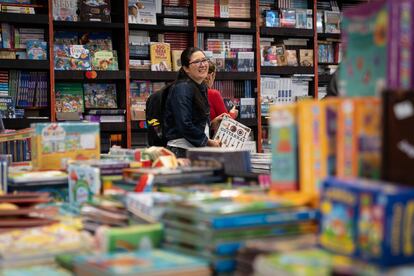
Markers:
120,30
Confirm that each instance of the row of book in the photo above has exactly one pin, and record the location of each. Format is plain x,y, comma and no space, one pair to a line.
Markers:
7,8
220,42
289,18
328,22
277,55
29,89
329,52
75,97
282,90
224,9
82,10
203,22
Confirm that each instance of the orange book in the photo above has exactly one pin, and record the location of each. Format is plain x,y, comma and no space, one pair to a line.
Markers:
160,54
312,146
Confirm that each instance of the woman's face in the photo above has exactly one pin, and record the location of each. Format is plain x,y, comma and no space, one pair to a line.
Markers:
210,79
197,70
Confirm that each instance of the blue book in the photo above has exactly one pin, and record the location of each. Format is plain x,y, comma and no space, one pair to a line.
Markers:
159,262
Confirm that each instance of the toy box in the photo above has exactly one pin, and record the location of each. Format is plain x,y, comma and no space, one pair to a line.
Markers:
367,219
52,143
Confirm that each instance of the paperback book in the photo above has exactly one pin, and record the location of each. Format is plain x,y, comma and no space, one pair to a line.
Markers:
69,97
100,95
232,134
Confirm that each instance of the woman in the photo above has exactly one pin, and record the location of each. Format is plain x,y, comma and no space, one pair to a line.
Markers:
187,112
217,106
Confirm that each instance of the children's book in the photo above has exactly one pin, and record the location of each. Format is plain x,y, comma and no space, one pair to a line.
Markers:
306,57
71,57
65,10
96,41
69,97
160,56
84,182
100,95
104,60
95,10
232,134
7,107
36,49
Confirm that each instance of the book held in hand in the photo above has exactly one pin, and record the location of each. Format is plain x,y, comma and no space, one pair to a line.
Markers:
232,134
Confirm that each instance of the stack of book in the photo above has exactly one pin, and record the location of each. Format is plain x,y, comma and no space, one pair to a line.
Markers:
261,162
227,223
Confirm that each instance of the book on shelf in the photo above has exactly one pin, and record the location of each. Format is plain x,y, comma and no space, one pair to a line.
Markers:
301,19
36,49
69,97
100,95
142,12
332,22
231,133
104,60
245,61
291,57
247,108
95,10
272,18
7,107
71,57
65,10
160,54
288,18
281,55
306,57
176,60
16,9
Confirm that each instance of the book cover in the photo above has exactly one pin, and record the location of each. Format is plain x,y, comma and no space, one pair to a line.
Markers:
69,97
301,18
281,57
364,66
272,18
219,59
100,95
7,107
247,108
306,57
283,127
332,22
313,146
230,62
176,59
104,60
142,12
65,10
160,56
96,41
288,18
143,262
269,56
245,61
232,134
291,57
84,182
95,10
36,49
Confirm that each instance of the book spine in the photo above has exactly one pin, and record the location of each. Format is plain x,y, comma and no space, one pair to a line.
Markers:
262,219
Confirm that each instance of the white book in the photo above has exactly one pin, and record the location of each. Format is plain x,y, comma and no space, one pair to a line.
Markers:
232,134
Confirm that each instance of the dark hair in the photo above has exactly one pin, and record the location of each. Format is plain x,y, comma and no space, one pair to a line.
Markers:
211,67
186,55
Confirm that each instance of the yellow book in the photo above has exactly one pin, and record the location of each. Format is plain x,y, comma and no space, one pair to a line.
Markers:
346,165
312,146
368,131
176,60
160,54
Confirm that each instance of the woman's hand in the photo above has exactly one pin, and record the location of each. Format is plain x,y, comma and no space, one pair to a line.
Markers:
216,122
234,112
213,143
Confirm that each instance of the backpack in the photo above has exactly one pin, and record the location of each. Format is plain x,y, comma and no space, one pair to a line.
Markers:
154,112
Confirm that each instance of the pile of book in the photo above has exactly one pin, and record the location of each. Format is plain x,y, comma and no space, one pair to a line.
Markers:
261,162
227,223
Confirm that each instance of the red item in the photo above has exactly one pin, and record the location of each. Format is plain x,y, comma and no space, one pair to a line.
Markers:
217,106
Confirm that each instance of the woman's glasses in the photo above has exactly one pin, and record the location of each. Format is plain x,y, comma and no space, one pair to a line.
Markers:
199,62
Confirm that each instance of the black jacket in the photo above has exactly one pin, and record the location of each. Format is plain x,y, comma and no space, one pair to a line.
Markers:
187,112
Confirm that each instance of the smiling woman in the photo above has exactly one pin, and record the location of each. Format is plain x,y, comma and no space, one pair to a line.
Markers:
187,112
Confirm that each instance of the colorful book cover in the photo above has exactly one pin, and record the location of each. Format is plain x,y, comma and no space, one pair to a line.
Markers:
232,134
96,41
7,107
95,10
52,143
269,56
160,56
104,60
306,57
331,115
364,66
36,49
346,163
100,95
65,10
368,130
283,127
272,19
84,182
69,97
142,12
291,57
72,57
143,262
313,146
